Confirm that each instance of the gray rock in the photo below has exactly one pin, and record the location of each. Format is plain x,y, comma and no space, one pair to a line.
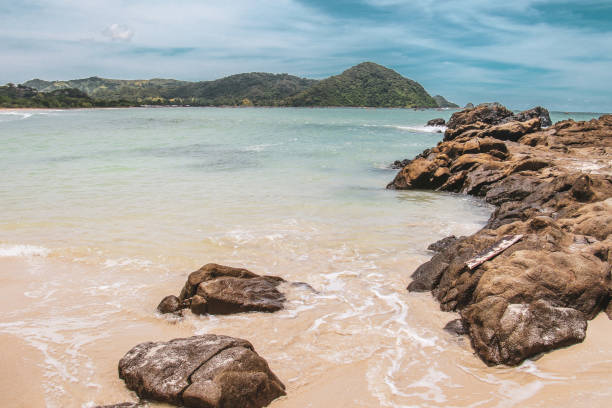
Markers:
201,371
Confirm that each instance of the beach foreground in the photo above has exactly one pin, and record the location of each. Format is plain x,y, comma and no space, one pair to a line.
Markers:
105,215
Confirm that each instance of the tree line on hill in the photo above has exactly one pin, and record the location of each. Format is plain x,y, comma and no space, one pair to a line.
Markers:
364,85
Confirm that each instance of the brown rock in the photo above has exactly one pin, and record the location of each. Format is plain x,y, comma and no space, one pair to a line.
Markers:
456,327
169,304
442,244
201,371
208,272
218,289
488,113
227,295
436,122
522,330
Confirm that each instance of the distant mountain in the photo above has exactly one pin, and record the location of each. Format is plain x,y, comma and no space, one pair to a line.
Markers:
259,89
443,103
366,84
21,96
256,88
136,91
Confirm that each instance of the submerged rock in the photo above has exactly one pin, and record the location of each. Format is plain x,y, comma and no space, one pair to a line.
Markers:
201,371
456,327
537,294
218,289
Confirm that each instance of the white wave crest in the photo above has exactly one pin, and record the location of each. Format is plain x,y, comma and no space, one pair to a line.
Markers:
422,129
22,251
414,129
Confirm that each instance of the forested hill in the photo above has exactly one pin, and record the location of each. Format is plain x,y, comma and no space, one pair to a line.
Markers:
20,96
367,84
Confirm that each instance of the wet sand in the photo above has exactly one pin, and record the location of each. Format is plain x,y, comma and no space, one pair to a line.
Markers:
66,353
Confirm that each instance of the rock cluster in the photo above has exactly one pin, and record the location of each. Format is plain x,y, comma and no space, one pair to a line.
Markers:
208,371
552,186
218,289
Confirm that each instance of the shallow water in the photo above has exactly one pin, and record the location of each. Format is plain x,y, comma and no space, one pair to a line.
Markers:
104,212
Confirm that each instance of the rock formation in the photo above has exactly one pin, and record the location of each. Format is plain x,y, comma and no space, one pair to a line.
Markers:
551,186
436,122
218,289
201,371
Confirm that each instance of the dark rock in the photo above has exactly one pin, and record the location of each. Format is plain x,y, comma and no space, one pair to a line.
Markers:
226,295
537,112
427,276
169,304
201,371
523,330
436,122
442,244
398,164
456,327
218,289
469,105
582,190
487,113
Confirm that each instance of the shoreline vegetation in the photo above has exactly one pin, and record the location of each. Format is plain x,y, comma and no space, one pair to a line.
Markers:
364,85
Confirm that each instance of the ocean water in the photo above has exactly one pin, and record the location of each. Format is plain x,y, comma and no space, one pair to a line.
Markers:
105,212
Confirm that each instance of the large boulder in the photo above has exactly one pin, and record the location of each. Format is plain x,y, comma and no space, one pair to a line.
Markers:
508,333
488,113
201,371
219,289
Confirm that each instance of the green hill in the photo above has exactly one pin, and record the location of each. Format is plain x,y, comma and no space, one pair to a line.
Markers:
21,96
255,88
260,89
443,103
135,91
366,84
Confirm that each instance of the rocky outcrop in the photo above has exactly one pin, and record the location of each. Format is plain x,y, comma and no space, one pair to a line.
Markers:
436,122
553,189
398,164
493,119
201,371
218,289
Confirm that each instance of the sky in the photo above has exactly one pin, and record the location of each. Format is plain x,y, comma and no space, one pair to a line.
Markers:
522,53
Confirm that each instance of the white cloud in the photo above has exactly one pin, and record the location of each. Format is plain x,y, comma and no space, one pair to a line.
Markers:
118,32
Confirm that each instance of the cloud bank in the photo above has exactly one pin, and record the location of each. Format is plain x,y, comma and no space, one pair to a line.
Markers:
551,52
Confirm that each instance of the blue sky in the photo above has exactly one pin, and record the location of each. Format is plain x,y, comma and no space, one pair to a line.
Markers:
519,52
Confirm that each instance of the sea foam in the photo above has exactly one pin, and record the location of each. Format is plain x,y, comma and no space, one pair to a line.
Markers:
22,251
